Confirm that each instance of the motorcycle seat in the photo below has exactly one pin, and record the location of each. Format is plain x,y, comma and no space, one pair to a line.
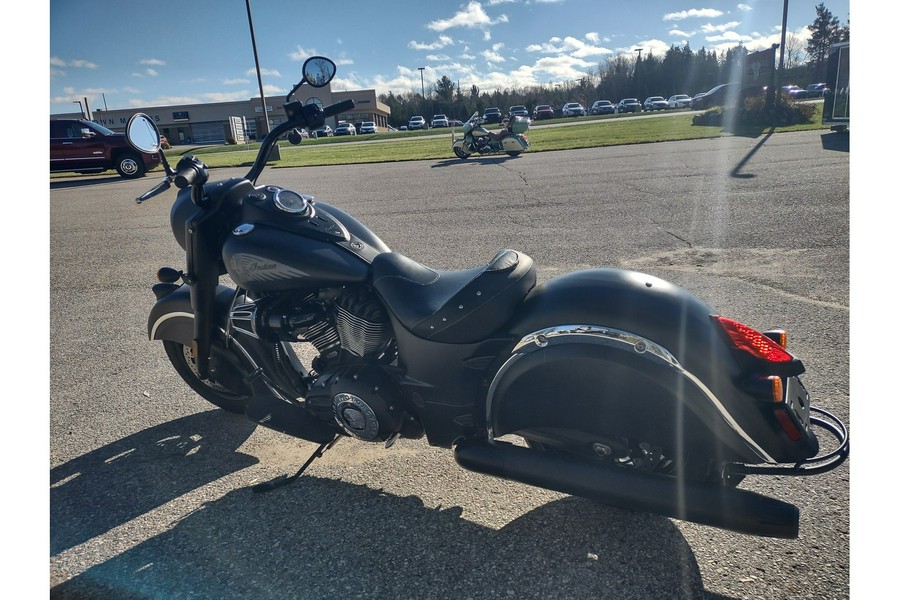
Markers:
456,307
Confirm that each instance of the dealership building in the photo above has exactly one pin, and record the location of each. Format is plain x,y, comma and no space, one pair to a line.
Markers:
239,121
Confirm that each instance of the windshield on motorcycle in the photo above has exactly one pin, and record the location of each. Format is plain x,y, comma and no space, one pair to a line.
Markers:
471,123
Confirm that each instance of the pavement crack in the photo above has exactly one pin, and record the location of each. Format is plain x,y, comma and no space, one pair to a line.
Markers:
685,241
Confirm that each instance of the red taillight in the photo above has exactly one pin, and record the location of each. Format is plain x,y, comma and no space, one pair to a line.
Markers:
749,340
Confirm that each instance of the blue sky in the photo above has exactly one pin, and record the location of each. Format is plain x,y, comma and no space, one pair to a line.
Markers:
125,53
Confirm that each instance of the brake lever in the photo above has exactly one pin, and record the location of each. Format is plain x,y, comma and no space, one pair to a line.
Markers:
163,186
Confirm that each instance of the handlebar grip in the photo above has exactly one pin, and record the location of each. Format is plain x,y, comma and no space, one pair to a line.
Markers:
188,171
185,177
334,109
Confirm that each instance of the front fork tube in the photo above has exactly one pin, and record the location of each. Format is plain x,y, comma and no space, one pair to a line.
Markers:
203,278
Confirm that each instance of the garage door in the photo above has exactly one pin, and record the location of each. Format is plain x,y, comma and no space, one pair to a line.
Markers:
207,133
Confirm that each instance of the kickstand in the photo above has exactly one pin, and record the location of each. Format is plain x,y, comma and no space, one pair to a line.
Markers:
283,480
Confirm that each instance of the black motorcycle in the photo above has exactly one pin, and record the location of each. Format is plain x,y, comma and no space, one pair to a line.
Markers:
624,388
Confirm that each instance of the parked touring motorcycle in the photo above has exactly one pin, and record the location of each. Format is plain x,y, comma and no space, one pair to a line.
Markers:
625,388
478,140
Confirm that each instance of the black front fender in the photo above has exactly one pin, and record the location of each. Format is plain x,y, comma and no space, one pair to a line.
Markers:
172,317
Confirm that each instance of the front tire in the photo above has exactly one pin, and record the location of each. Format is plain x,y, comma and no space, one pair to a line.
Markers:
234,401
460,153
514,153
129,165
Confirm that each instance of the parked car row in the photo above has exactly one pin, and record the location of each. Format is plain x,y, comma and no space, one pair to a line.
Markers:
719,95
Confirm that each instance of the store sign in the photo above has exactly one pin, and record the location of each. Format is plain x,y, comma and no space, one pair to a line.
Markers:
759,67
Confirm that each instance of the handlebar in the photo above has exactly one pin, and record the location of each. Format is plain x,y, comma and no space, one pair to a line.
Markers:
299,116
336,109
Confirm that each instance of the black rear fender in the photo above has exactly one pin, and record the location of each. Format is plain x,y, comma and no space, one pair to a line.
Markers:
615,352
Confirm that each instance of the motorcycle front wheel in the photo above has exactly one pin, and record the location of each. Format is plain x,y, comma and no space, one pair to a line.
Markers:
514,153
234,401
460,153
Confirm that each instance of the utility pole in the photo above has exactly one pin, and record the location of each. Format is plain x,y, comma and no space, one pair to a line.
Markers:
275,154
637,73
422,76
781,53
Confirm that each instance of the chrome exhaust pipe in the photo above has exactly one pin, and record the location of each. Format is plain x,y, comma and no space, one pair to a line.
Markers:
717,506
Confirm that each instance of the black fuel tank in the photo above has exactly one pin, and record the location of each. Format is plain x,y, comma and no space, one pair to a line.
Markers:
265,258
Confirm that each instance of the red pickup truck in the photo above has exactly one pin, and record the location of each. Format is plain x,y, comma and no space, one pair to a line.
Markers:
82,146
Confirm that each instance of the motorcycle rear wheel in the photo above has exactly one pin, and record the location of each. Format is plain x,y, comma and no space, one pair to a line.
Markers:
209,389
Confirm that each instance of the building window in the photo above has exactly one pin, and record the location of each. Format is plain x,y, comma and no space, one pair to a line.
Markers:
181,115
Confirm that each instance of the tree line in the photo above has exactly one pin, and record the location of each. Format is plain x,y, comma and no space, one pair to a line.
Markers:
681,70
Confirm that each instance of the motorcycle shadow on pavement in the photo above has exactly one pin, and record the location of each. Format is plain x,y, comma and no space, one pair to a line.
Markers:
112,485
473,160
85,182
328,538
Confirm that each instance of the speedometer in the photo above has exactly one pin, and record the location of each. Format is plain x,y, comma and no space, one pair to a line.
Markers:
292,202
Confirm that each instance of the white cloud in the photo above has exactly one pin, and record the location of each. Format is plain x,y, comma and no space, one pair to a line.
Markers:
236,81
744,7
473,17
655,47
707,13
592,37
569,45
262,71
342,62
729,36
229,96
442,42
153,61
78,64
492,57
679,33
437,57
709,27
302,53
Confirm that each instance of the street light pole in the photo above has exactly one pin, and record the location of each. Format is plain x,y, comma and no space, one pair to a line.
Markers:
781,54
422,76
637,73
275,153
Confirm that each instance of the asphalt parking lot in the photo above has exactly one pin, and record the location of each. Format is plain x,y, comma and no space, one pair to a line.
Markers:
150,486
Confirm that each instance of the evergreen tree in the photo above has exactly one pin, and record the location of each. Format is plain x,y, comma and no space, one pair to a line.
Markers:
824,31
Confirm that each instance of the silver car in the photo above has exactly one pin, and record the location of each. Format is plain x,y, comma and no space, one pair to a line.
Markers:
679,101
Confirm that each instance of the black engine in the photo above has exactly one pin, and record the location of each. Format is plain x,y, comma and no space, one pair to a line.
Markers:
354,377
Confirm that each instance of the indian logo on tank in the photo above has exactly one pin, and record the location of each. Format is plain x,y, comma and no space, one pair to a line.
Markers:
257,268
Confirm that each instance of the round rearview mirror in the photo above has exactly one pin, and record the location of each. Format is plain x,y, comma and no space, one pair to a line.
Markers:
318,71
142,133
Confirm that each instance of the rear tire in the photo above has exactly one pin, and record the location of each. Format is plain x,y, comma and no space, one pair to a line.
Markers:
211,391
